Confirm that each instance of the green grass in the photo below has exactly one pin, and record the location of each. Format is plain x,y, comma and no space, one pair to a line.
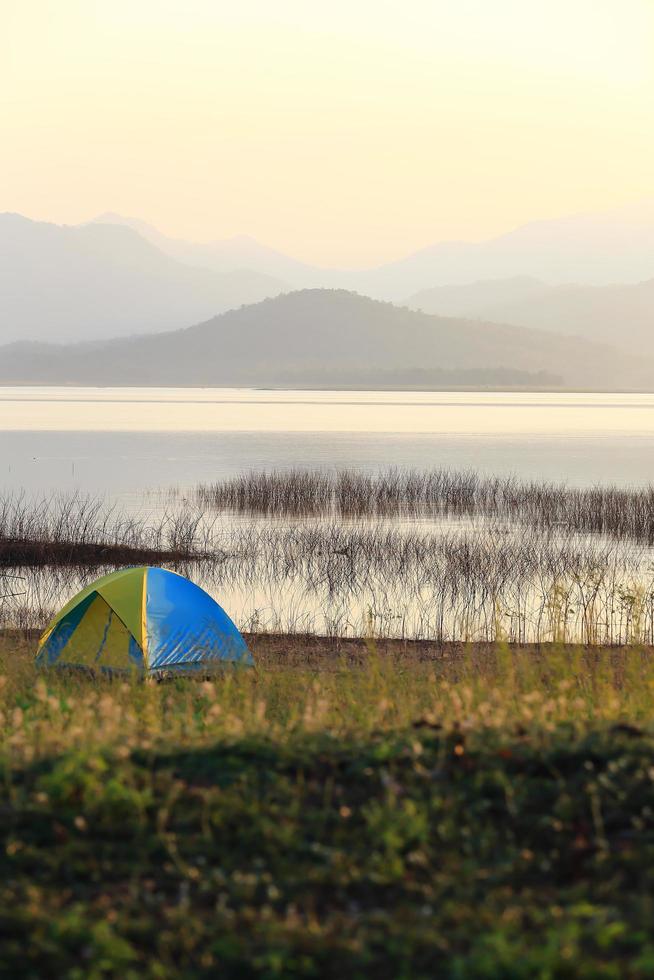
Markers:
470,817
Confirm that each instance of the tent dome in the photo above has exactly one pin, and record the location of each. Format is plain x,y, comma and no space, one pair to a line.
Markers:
147,618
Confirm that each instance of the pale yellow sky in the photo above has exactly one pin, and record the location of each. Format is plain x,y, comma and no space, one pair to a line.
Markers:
346,132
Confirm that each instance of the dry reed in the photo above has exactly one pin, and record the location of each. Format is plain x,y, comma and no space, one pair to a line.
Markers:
608,510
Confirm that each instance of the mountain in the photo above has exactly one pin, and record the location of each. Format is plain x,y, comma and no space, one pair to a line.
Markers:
111,278
469,299
618,314
595,249
72,283
321,334
224,255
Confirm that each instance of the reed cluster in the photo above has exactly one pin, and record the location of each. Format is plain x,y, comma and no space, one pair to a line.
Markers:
79,528
484,584
607,510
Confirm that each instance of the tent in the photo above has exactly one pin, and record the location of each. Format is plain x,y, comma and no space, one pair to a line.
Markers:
144,618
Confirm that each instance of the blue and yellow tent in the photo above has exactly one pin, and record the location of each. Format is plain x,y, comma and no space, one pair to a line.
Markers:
144,618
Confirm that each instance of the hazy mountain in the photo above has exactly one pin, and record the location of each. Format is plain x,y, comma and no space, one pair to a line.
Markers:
224,255
69,283
597,249
316,334
622,314
469,299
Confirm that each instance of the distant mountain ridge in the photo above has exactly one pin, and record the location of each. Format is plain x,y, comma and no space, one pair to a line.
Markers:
469,299
224,256
619,314
97,281
321,333
594,248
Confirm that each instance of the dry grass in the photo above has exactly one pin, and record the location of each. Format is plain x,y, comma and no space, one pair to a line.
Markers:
309,683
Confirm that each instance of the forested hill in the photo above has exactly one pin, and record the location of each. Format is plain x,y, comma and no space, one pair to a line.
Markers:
313,333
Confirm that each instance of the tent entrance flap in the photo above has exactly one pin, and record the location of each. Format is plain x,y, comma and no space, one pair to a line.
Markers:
100,639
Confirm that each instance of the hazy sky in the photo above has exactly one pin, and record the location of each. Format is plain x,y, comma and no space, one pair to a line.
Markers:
345,132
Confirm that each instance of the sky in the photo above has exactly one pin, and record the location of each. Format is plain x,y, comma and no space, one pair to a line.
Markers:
346,133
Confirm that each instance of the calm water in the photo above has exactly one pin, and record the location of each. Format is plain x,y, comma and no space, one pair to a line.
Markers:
125,440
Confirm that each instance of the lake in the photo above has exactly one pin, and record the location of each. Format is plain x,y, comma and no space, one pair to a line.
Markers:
130,443
125,440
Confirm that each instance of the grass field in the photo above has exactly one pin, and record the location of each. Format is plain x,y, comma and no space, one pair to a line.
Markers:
352,810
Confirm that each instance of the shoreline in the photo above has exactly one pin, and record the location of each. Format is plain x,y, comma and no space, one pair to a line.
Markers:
495,389
311,650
